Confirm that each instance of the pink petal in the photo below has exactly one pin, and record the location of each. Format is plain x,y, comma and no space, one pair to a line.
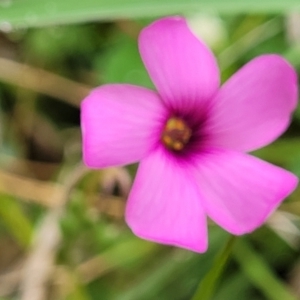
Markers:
254,106
182,68
240,191
164,204
120,124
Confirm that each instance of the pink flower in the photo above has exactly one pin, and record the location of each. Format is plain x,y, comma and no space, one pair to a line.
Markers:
191,137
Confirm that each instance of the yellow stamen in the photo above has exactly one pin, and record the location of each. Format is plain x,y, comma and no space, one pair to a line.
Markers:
176,134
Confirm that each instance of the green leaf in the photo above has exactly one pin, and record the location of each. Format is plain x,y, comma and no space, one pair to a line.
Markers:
77,291
33,13
177,268
234,287
293,55
15,220
123,64
282,151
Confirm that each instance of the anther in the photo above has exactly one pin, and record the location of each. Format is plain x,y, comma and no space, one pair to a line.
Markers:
176,134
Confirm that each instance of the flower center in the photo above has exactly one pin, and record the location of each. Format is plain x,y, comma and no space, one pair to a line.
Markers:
176,134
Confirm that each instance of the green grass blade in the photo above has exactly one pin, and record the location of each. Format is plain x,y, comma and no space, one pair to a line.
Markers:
259,273
207,286
33,13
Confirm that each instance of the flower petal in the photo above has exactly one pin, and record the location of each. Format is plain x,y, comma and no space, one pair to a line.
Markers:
182,68
239,190
254,106
164,204
120,124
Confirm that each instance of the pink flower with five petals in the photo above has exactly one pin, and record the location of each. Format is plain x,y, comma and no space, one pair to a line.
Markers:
191,138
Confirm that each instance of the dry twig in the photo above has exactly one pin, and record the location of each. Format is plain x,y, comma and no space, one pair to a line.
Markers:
40,263
42,81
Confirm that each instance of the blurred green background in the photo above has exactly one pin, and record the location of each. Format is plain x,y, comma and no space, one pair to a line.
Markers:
62,231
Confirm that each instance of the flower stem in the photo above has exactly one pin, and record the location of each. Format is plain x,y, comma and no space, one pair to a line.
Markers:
206,287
